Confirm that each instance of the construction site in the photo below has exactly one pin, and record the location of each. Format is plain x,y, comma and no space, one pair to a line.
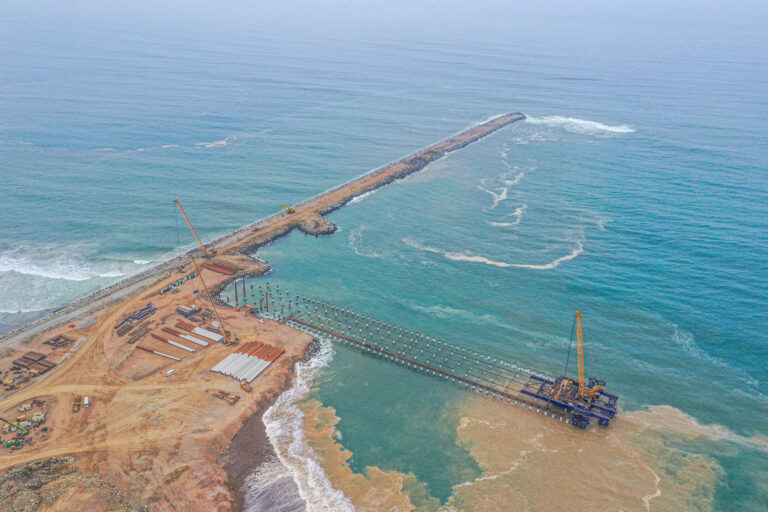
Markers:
146,383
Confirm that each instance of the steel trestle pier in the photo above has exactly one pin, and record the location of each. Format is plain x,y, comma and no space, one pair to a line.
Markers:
478,372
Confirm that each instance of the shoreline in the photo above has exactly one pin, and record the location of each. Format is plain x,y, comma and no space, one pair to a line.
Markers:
243,241
214,440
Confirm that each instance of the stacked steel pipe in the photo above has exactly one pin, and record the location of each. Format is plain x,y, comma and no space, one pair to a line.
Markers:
247,363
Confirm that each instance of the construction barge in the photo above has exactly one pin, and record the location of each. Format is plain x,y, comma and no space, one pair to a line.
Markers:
576,401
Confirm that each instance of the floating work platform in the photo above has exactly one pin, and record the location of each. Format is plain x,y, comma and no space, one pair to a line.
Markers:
473,370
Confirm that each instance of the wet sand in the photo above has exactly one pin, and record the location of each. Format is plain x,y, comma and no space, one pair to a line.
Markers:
249,449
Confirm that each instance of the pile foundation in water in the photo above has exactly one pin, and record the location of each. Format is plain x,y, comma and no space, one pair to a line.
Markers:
473,370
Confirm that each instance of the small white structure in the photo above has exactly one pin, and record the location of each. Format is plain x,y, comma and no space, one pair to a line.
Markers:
87,401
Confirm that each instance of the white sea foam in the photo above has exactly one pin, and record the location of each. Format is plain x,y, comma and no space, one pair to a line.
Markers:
142,262
69,270
355,242
359,198
447,312
581,126
514,181
271,487
517,215
229,141
497,197
16,310
577,250
283,422
170,146
685,339
473,258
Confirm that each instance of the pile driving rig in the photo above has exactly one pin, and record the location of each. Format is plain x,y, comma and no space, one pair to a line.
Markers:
576,399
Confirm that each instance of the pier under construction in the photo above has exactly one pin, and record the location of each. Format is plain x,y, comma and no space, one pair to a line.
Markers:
568,400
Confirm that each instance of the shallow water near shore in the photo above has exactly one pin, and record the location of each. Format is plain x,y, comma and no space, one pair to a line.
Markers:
636,192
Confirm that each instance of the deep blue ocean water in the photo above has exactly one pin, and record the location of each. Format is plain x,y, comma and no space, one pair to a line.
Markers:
636,192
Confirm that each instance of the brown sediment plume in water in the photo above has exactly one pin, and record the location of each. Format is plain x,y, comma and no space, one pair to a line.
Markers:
530,462
374,491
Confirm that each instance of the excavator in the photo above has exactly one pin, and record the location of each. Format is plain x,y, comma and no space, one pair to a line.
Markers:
23,430
207,253
285,208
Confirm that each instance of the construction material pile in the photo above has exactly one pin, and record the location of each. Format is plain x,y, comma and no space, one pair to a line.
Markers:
247,363
34,362
59,341
126,324
205,333
221,268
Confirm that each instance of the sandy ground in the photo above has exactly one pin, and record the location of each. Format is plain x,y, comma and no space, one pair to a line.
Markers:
149,440
159,438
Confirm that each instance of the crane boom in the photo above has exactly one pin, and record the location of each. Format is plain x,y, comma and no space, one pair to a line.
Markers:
23,430
197,269
583,389
580,351
206,251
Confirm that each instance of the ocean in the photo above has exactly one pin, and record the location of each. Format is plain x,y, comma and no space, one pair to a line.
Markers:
636,192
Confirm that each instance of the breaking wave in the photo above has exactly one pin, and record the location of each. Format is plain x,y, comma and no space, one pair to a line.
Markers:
581,126
68,270
283,422
362,196
472,258
271,487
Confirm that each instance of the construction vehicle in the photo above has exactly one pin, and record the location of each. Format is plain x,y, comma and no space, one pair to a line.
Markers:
285,208
226,339
19,427
207,252
579,399
245,386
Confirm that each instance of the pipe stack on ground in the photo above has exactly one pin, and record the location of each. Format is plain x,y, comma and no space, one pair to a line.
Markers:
248,361
205,333
173,343
187,337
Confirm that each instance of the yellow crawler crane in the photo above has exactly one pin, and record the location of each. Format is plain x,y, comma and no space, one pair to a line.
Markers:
213,306
583,389
207,253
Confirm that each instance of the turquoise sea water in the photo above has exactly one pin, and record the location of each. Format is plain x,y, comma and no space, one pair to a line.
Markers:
636,191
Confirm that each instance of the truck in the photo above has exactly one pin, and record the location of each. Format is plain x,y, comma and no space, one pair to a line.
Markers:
87,402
